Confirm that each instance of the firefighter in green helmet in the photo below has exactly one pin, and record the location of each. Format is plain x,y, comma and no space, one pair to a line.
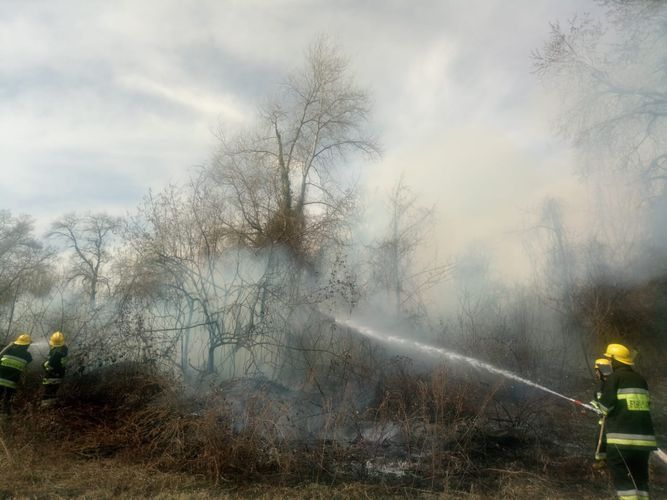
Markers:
13,360
630,438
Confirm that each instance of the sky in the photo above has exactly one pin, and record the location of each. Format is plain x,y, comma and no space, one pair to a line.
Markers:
102,101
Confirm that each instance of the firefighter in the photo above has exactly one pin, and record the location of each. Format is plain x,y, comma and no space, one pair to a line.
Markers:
13,360
54,368
630,438
602,371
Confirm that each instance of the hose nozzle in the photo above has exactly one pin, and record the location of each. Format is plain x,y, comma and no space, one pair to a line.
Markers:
587,406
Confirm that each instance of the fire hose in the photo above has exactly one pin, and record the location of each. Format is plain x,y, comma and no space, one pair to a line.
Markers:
6,348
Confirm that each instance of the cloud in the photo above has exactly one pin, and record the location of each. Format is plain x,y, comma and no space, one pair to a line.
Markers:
101,101
222,106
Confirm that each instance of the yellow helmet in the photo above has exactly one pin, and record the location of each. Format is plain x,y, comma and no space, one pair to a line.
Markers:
619,353
604,366
23,339
602,362
57,339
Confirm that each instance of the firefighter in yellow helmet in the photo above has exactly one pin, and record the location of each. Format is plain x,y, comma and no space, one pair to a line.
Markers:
13,360
54,368
630,438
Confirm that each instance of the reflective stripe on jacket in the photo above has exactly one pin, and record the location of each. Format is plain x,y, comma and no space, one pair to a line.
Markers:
7,383
12,363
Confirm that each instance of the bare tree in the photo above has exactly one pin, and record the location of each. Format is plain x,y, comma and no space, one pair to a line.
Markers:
394,261
235,250
611,76
89,237
205,287
280,183
25,265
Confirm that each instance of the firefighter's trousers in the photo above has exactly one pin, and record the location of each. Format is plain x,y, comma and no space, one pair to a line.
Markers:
629,471
6,394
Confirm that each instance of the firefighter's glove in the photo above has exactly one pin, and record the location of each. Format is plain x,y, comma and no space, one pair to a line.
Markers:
597,407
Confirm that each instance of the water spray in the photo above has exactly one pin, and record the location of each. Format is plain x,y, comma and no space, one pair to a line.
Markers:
382,337
439,351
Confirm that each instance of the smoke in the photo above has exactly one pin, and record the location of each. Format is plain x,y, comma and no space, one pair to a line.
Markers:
39,349
550,206
463,119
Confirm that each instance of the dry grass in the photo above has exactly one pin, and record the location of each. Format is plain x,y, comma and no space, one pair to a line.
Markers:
128,432
139,416
45,473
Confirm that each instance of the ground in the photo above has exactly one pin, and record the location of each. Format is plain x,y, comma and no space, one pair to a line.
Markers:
131,434
40,470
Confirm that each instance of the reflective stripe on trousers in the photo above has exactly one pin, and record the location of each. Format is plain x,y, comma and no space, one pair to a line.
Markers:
632,494
631,439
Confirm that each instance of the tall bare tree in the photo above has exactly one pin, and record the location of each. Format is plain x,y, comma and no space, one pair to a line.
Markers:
231,247
395,263
89,238
612,76
282,182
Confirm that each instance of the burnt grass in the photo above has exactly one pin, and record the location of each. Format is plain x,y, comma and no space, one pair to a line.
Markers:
432,436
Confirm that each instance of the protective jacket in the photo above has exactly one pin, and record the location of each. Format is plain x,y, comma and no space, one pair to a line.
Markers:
54,366
625,402
12,363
